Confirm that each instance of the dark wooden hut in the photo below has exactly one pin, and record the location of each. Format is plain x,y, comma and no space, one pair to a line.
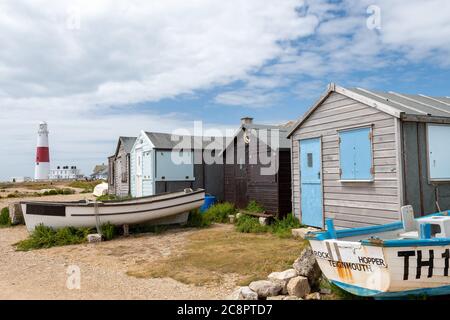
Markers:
247,174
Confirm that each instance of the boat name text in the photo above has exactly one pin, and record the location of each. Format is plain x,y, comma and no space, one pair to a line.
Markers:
421,263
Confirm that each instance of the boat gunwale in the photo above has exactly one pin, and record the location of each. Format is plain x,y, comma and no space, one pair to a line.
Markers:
134,212
117,203
344,233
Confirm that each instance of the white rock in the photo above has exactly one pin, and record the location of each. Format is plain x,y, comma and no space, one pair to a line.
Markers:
298,287
313,296
307,266
248,294
94,237
276,298
283,278
263,221
265,288
292,298
243,293
238,215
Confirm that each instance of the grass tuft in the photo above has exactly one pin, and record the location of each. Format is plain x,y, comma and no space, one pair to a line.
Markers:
109,231
197,220
280,227
220,212
46,237
5,221
254,207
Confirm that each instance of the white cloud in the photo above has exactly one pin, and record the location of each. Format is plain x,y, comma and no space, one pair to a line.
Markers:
140,51
123,53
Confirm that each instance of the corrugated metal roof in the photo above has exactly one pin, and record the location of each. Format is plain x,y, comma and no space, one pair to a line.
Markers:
170,141
396,104
414,104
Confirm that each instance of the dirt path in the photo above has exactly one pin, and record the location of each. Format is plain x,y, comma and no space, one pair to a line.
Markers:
41,274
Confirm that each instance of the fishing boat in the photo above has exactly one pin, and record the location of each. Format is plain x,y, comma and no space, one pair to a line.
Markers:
397,260
173,207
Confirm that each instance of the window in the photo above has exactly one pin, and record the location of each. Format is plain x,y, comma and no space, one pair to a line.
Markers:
310,160
438,153
355,154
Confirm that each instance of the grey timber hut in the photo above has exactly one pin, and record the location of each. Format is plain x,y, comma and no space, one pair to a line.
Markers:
119,168
152,170
359,155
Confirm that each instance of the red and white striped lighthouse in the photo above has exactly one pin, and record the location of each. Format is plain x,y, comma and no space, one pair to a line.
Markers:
42,168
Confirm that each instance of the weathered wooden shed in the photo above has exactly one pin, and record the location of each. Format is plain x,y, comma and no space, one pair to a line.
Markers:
119,168
154,171
359,155
247,178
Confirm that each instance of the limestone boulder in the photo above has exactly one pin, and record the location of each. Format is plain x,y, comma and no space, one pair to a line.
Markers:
299,287
94,238
248,294
265,288
306,266
243,293
282,278
313,296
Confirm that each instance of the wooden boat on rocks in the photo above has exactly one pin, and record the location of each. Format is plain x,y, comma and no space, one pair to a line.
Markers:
169,207
401,259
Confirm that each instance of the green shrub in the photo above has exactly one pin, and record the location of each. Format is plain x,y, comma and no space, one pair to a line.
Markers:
68,191
109,231
254,207
197,220
249,224
52,192
11,195
280,227
45,237
283,227
4,217
87,186
108,197
220,212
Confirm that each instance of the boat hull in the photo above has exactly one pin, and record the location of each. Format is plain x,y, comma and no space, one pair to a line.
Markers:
384,272
136,211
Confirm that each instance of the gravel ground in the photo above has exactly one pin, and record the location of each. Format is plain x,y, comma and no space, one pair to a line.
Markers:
41,274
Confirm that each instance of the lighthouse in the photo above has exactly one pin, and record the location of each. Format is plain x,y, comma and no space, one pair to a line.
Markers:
42,168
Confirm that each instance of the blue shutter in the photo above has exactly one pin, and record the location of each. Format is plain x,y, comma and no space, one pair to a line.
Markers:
355,154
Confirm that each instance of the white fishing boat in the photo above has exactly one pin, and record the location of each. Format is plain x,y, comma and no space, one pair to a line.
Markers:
397,260
172,207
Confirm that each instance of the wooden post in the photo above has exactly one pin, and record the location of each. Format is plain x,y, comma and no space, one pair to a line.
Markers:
126,230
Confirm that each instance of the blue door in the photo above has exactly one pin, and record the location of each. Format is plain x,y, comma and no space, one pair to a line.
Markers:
311,182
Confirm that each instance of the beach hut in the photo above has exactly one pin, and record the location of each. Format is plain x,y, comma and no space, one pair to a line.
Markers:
119,168
359,155
249,177
162,162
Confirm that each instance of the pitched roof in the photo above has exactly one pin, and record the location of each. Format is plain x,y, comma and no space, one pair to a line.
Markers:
396,104
127,143
284,129
170,141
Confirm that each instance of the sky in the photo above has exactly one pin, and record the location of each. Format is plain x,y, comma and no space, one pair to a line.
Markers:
95,70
